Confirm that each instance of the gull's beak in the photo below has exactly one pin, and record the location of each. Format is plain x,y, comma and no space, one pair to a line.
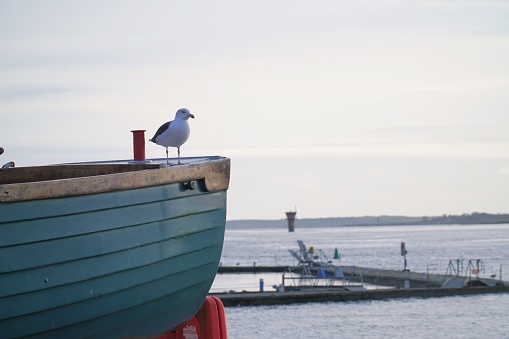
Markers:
191,116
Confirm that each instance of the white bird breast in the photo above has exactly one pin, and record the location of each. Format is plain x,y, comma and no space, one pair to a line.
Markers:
176,134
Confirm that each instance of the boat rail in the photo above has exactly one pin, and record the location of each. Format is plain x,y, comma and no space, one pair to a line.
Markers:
44,182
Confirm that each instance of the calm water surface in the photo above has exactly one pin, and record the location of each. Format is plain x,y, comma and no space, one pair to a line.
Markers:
429,248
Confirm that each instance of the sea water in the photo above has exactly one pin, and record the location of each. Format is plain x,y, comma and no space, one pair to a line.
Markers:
430,248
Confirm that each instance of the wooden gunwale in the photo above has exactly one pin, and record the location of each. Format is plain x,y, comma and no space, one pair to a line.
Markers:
81,179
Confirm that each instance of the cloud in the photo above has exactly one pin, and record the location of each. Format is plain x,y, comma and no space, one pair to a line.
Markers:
16,93
504,170
440,89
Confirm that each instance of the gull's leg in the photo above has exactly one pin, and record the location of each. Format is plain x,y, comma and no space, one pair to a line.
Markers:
178,152
167,160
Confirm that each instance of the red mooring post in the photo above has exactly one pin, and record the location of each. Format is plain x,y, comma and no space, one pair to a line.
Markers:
139,144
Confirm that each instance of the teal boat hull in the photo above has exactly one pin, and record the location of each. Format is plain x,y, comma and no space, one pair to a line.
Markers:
125,263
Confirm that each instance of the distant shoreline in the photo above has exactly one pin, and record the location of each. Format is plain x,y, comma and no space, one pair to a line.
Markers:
463,219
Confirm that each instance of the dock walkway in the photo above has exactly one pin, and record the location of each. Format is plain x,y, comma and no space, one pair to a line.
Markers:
376,276
324,295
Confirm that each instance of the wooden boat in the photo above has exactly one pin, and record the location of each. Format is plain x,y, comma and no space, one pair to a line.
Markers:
111,249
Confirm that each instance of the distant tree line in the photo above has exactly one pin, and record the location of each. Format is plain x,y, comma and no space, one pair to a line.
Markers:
383,220
466,219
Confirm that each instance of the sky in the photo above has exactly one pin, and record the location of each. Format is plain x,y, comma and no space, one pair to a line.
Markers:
334,108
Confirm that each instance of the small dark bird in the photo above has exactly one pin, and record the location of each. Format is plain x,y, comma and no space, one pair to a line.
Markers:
174,133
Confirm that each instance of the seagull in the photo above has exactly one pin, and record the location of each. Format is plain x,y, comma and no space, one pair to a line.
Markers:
174,133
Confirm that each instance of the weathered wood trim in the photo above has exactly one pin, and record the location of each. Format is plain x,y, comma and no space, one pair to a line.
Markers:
216,174
67,171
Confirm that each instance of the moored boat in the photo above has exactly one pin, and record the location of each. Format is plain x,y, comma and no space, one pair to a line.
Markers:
109,249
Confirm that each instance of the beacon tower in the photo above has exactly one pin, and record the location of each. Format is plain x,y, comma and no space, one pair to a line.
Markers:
291,221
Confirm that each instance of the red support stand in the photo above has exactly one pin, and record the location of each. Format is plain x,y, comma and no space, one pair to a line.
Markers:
208,323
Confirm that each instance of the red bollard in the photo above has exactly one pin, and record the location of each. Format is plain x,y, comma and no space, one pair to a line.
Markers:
139,144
